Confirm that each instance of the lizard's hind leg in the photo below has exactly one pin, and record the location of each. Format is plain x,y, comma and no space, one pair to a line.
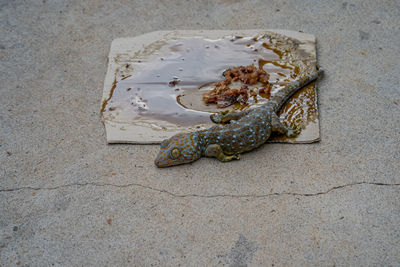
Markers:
278,126
215,151
226,116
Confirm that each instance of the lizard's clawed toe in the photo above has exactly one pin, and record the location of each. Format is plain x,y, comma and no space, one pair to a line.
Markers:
216,118
294,131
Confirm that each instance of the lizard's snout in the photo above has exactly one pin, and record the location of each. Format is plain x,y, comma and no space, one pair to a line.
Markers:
159,162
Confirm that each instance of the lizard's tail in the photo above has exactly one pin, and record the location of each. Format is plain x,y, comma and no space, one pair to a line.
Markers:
280,98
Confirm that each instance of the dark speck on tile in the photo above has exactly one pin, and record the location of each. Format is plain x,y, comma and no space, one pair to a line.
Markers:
242,252
363,35
17,46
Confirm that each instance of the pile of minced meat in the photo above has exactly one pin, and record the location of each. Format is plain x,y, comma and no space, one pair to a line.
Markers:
223,95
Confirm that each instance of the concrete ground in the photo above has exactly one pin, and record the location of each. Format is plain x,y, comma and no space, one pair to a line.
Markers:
68,199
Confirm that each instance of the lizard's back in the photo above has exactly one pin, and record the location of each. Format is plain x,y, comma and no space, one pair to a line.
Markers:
247,133
254,128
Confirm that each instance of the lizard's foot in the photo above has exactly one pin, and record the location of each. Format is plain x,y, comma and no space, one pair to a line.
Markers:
215,151
216,118
226,158
219,117
278,126
236,156
294,131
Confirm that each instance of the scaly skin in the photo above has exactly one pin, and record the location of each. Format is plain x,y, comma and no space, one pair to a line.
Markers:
247,130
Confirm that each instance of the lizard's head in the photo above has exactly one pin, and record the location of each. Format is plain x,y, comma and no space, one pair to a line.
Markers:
179,149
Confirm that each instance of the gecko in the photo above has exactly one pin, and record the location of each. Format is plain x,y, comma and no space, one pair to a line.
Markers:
234,132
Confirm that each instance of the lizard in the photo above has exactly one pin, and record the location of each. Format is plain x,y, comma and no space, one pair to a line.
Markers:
235,132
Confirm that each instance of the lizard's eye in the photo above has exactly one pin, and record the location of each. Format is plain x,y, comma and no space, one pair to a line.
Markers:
175,153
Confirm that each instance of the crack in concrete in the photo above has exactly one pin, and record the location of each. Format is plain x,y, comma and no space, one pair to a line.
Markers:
199,195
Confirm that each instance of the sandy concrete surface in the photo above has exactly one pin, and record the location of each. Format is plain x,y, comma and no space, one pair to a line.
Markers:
68,199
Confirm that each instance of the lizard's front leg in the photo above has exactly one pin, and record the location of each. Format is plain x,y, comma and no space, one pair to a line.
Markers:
215,151
226,116
278,126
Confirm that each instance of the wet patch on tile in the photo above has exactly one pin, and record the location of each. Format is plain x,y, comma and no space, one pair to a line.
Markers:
154,84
